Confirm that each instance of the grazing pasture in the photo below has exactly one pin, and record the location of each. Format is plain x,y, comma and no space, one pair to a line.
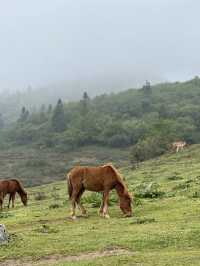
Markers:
165,228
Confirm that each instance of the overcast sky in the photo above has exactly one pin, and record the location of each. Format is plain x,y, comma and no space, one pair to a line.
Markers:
120,41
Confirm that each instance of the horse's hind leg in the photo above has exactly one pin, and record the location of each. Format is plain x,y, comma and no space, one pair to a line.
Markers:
78,201
73,202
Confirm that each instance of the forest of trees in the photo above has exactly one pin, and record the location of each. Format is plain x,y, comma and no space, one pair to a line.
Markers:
147,120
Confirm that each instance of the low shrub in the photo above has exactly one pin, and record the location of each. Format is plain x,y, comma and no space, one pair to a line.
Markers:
196,194
174,177
182,186
143,220
95,199
4,215
151,190
54,206
55,196
40,196
46,229
148,148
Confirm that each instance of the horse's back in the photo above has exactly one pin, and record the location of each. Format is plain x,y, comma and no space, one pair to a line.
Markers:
91,171
9,186
4,185
93,178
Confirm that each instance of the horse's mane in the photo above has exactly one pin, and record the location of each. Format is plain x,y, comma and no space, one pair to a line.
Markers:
20,185
118,176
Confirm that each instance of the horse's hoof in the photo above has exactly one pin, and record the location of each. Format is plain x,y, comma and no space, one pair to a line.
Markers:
106,216
73,218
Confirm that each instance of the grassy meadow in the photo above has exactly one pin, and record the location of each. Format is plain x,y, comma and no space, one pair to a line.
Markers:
165,228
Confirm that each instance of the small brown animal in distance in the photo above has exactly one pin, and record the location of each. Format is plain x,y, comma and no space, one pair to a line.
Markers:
11,187
99,179
178,145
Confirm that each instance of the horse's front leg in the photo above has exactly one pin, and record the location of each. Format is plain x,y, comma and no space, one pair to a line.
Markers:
73,204
101,207
9,201
104,208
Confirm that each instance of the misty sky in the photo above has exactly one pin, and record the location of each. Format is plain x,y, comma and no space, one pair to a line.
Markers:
107,41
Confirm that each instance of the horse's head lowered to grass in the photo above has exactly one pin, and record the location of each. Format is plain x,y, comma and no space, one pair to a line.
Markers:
124,198
125,205
24,198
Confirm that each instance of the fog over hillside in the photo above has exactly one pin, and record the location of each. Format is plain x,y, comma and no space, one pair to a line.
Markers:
98,45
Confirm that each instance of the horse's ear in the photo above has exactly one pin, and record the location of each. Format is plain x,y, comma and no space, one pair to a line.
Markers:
108,165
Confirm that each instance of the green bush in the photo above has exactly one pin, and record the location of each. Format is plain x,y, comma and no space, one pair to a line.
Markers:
143,220
182,186
196,194
147,149
150,190
46,229
40,196
95,199
54,206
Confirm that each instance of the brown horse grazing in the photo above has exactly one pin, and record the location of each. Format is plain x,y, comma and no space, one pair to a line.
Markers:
100,179
12,187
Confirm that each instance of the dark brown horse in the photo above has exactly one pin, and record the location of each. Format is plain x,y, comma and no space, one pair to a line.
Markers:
12,187
100,179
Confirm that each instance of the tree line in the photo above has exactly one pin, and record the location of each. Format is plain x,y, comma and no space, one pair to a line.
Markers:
146,119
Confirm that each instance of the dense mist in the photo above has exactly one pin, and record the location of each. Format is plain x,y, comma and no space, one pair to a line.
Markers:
99,45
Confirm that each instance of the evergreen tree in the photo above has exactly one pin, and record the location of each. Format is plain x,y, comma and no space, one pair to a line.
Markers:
24,115
147,87
85,104
58,118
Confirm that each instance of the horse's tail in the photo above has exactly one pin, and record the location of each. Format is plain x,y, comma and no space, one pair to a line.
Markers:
69,184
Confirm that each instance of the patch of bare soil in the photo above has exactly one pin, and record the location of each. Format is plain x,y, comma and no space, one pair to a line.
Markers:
54,259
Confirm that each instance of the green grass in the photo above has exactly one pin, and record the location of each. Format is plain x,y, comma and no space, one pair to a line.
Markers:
163,231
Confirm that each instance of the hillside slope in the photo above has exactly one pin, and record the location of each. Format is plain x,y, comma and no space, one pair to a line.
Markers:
165,229
34,166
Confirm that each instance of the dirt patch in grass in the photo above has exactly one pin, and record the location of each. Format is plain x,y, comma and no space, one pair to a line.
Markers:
54,259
